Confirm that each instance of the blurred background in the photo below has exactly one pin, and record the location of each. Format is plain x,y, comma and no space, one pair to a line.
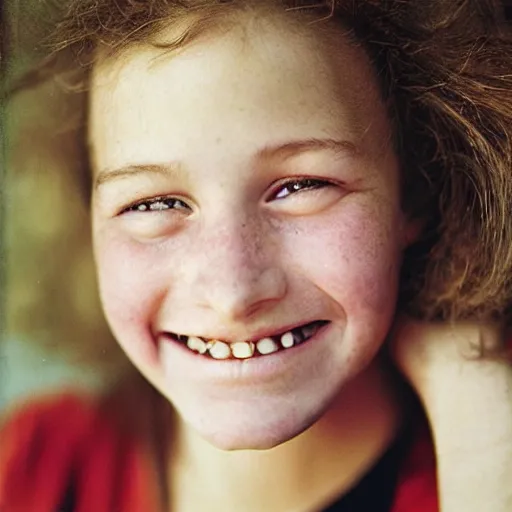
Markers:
54,338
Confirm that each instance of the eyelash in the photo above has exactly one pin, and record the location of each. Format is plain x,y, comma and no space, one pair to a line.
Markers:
304,183
152,205
162,203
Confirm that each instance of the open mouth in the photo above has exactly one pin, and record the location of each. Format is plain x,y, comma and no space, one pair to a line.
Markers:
217,349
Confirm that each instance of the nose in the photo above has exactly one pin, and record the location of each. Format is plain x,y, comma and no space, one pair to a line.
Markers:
237,271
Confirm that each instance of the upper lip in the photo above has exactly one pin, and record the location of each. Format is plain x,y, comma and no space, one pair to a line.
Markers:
266,332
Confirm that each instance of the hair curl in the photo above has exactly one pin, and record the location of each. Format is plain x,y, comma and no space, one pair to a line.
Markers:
445,68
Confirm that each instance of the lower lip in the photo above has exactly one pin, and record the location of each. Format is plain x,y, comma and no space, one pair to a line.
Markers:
256,369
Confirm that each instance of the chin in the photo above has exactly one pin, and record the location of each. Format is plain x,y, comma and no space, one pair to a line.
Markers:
243,429
262,439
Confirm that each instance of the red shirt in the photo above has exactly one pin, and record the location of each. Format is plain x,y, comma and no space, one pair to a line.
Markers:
50,443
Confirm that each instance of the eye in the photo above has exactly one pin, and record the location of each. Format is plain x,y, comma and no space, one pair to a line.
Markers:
157,204
299,185
154,218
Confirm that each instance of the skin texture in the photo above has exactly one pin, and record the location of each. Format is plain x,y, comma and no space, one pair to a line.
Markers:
235,259
240,255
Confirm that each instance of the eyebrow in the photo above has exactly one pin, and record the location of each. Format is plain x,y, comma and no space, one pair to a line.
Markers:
133,170
280,151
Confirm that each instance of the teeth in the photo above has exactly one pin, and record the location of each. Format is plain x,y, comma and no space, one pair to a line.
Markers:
287,340
267,346
245,350
219,349
242,350
196,344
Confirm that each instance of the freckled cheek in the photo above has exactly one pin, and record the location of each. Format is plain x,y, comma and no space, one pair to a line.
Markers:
356,264
132,280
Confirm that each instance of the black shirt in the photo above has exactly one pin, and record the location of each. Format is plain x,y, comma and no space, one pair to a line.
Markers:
376,490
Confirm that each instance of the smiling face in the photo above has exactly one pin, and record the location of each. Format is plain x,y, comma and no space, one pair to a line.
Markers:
245,187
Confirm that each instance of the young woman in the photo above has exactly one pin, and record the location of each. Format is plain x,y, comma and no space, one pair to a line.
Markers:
273,185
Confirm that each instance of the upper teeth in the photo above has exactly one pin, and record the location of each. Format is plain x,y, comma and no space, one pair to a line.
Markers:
196,344
267,346
244,350
287,340
219,350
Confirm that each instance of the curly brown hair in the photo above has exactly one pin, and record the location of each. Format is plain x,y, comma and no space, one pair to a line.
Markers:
445,68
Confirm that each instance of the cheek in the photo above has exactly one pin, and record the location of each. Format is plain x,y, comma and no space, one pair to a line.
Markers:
371,267
131,285
355,258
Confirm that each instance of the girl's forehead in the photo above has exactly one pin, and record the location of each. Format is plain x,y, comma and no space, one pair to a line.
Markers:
265,47
266,77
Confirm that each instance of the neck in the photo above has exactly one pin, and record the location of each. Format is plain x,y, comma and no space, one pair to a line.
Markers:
305,473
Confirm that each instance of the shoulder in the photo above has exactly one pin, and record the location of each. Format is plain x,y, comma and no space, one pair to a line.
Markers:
67,442
39,441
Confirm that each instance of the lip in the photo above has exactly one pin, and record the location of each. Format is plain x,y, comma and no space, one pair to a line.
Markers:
248,371
259,335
